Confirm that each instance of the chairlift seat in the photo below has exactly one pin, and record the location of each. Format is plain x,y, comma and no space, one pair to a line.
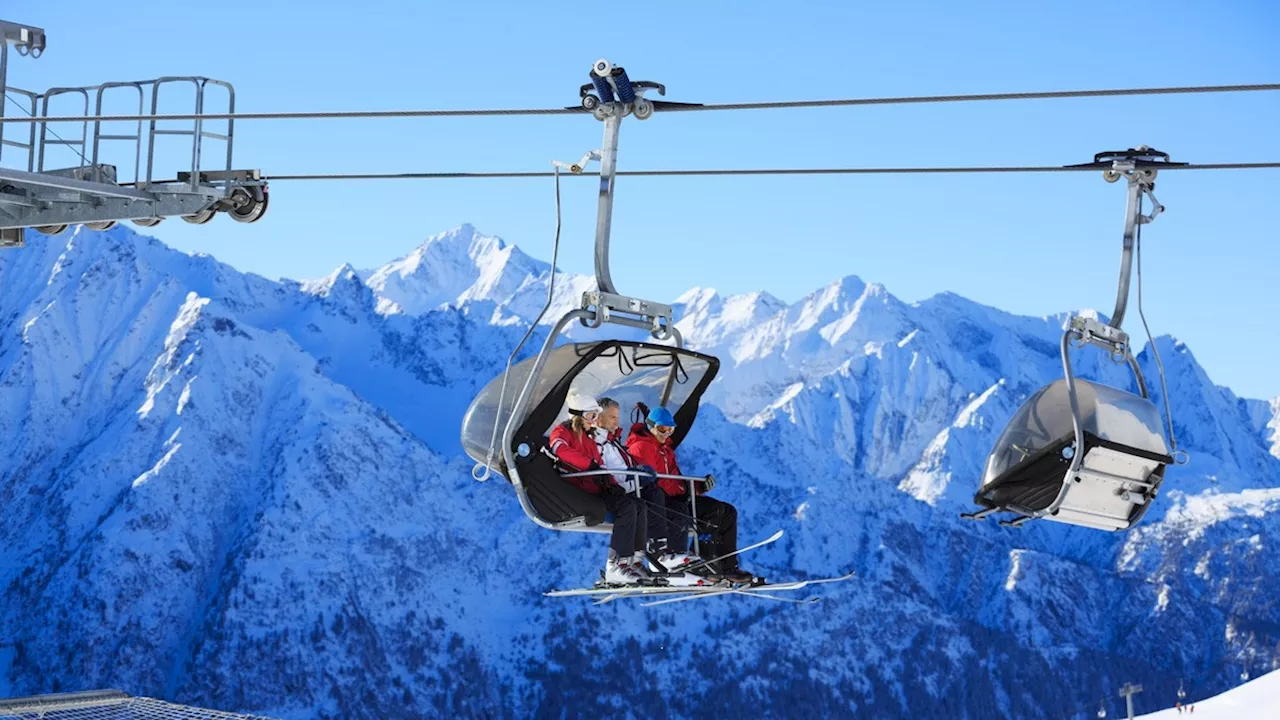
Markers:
1125,455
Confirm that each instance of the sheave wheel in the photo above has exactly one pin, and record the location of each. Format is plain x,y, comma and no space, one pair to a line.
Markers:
247,204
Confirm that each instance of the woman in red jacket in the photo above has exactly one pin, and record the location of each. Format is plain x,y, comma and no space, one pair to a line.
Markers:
650,444
576,450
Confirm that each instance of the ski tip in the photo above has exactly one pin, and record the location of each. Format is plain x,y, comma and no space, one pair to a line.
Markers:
775,537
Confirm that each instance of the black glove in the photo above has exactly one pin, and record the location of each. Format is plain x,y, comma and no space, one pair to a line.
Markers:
710,483
649,477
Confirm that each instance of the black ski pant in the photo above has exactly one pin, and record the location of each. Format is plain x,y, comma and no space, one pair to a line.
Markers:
628,528
662,526
717,527
638,519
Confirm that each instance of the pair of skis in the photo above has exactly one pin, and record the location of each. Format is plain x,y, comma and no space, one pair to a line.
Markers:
755,591
607,594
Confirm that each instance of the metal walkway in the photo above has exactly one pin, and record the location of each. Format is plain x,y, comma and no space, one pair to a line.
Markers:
94,191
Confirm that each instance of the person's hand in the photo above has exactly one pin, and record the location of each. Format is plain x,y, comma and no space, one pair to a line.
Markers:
649,477
709,483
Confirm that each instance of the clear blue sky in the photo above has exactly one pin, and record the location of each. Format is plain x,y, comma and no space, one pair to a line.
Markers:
1030,244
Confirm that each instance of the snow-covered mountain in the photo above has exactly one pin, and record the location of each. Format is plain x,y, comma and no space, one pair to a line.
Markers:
249,494
463,266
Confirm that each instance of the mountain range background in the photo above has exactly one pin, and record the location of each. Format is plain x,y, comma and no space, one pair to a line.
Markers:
250,495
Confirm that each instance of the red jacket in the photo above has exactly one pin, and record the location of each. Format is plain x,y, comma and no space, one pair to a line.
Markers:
646,450
579,452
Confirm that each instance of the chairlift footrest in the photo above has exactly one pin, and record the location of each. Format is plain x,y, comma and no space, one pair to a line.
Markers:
979,514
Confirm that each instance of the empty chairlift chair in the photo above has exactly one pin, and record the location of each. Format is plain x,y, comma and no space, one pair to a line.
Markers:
1080,452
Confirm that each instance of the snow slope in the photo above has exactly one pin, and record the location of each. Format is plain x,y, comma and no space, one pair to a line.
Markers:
1258,699
240,493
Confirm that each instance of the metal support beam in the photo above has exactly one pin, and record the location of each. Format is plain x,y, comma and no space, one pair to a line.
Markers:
72,184
604,217
1128,691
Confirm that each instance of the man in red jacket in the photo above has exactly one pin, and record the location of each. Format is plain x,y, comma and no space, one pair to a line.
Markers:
650,444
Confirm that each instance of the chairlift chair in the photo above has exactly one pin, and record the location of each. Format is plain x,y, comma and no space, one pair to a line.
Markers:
505,427
1080,452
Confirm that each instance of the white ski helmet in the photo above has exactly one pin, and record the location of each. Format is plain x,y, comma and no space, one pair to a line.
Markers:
580,404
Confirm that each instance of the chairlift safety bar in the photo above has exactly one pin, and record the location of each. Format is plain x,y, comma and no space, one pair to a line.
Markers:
632,471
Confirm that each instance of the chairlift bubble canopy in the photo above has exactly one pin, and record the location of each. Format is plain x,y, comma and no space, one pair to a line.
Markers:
627,371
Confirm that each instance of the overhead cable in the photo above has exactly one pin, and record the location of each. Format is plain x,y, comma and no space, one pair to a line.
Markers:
666,107
753,171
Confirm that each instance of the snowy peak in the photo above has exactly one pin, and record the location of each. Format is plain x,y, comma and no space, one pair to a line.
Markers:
830,303
755,305
710,319
345,275
843,318
343,294
698,298
454,267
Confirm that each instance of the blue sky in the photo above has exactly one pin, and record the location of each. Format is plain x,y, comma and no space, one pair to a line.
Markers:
1033,244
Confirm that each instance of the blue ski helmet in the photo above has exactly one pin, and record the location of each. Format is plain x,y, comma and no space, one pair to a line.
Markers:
661,416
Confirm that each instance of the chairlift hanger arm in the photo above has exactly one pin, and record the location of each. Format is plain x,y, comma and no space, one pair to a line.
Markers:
611,96
1139,166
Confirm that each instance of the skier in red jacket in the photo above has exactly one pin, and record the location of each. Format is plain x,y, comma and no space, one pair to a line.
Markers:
576,450
650,444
